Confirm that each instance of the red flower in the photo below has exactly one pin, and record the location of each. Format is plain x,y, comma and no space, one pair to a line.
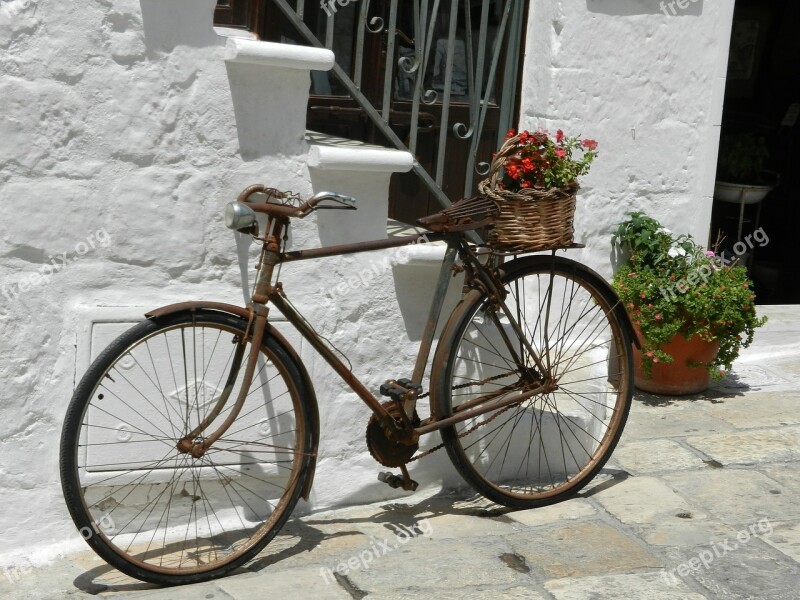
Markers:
524,137
658,316
527,165
643,296
589,144
560,152
511,133
559,136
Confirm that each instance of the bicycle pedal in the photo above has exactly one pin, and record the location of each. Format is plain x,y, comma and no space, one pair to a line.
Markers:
410,385
395,481
397,389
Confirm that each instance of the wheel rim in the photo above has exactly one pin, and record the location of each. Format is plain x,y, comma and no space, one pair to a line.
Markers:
166,511
552,442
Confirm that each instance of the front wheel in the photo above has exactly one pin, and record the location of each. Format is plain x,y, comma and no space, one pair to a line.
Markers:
543,449
162,515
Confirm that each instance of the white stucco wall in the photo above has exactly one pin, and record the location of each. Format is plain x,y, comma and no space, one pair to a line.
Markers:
125,128
124,131
649,86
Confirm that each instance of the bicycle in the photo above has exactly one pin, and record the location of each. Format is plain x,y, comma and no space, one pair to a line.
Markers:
193,435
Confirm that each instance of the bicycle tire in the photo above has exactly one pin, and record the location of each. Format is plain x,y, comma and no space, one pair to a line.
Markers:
163,516
548,447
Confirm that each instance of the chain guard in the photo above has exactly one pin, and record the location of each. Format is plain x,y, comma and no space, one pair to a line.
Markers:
388,452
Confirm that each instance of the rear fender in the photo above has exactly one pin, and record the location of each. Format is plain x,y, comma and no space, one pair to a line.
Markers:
244,313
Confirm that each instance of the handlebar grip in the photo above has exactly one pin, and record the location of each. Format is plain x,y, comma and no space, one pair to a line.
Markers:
347,202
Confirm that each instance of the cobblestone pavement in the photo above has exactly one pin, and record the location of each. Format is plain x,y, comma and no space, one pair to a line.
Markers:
699,501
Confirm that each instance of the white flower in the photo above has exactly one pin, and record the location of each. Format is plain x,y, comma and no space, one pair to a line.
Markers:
676,251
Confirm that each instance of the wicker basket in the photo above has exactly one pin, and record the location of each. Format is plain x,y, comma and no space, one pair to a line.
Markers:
530,219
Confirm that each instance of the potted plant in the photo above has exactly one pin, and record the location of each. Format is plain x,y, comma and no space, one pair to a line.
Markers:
692,310
741,173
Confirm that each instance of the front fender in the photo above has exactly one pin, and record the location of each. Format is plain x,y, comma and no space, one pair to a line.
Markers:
244,313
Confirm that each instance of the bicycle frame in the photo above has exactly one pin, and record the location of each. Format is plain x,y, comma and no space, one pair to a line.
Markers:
266,293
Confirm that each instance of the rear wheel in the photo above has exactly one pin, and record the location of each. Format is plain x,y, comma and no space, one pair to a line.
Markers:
156,513
546,448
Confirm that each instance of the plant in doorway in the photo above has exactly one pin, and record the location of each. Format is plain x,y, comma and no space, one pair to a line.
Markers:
693,313
741,172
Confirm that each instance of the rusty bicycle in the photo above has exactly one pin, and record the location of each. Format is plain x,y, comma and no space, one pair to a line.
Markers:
193,435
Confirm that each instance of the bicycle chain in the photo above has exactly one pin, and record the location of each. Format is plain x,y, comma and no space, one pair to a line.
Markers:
474,427
466,385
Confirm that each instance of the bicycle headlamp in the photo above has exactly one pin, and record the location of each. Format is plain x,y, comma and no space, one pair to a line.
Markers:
240,217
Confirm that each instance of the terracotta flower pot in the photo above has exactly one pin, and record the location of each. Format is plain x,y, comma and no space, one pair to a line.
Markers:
677,378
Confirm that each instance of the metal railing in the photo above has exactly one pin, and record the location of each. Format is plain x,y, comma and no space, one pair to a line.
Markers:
467,59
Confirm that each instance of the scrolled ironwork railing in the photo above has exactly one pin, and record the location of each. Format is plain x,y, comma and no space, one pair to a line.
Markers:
458,51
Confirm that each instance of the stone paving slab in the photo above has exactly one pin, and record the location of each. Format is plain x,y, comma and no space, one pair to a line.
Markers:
785,537
478,593
279,583
750,447
639,500
787,475
582,549
656,456
448,564
737,496
751,570
649,586
576,508
758,409
670,418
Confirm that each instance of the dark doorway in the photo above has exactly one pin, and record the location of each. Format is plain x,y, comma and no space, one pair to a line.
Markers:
761,128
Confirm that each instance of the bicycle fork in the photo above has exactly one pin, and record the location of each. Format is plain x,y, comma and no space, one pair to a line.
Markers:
192,443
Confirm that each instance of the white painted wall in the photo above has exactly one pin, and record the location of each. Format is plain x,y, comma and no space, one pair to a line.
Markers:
122,121
128,126
649,86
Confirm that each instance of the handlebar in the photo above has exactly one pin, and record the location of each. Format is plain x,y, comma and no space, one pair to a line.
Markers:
287,210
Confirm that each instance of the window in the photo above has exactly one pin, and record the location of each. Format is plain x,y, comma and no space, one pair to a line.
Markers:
237,14
361,43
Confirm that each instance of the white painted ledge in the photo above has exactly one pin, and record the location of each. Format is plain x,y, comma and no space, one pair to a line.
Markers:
232,32
271,54
422,253
358,158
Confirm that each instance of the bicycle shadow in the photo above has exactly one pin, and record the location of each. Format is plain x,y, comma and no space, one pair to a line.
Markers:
315,538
